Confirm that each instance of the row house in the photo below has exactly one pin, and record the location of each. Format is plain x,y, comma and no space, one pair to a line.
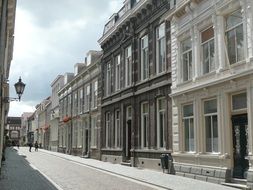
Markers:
79,125
136,73
212,89
43,114
56,85
7,20
24,128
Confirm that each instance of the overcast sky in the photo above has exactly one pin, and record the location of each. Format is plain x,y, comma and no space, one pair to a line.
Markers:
50,37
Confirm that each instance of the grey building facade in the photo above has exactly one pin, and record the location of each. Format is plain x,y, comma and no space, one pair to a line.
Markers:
136,80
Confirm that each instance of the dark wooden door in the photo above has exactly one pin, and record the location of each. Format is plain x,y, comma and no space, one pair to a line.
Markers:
240,143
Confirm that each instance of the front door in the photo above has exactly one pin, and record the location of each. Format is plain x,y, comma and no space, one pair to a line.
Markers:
240,142
128,139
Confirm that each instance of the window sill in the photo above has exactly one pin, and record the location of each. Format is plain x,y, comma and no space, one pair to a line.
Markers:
237,64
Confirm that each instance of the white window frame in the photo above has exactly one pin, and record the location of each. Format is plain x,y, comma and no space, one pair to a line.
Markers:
160,39
144,58
211,63
108,79
144,129
94,132
242,110
158,129
107,128
233,28
117,139
117,72
188,120
128,65
211,116
186,65
94,94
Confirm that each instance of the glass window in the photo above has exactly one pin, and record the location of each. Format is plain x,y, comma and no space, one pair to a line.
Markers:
108,79
117,128
188,123
207,39
234,36
239,101
144,125
94,94
211,125
186,59
117,77
161,122
128,63
108,128
94,132
160,48
144,58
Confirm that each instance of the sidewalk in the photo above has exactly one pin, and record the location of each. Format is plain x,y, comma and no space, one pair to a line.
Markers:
143,175
17,174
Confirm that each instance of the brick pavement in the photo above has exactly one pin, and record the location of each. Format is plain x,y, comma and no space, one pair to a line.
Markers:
17,174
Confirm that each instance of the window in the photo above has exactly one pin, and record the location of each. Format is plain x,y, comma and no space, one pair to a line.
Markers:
160,48
239,101
87,98
234,37
94,132
207,45
211,125
144,124
107,129
80,101
94,94
108,79
74,105
186,59
117,128
74,135
161,122
80,133
117,75
144,58
128,64
69,105
188,123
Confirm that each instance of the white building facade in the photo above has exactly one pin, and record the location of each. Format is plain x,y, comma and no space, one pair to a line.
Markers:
212,89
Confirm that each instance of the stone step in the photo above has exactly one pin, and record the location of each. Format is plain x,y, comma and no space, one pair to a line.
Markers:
239,181
126,164
236,185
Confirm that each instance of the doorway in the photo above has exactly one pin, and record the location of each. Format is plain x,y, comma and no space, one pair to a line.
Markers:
240,145
128,140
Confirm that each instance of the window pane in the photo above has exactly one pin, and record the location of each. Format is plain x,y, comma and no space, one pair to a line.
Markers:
239,101
186,45
234,19
205,58
210,106
211,52
231,46
239,43
215,133
208,134
207,34
186,134
188,110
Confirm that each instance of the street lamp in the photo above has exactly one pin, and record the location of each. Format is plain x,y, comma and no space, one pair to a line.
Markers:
19,87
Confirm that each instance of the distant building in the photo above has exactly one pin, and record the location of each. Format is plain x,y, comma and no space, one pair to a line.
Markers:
56,85
79,130
24,128
13,130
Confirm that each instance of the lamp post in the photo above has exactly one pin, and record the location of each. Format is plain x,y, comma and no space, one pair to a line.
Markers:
19,87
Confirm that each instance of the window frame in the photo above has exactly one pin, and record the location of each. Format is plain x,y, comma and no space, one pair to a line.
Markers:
117,72
189,63
188,118
211,116
117,128
144,51
158,50
158,129
128,66
144,117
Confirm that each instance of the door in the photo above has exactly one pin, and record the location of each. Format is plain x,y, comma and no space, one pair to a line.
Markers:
240,143
86,142
128,139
